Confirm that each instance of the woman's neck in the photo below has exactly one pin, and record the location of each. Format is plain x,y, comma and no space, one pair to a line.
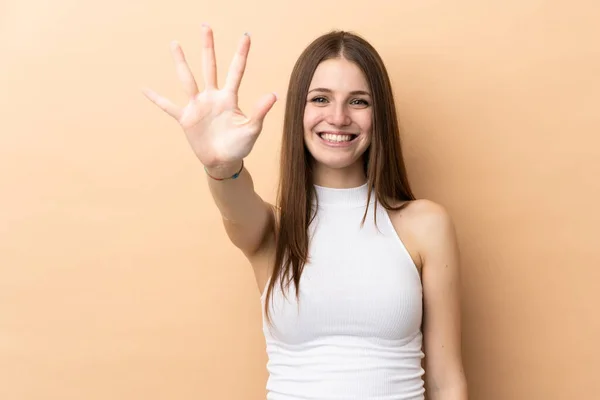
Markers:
349,177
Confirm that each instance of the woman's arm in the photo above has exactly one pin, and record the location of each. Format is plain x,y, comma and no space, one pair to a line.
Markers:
439,253
221,136
248,220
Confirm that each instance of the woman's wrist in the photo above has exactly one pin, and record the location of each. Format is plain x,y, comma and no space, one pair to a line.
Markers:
225,171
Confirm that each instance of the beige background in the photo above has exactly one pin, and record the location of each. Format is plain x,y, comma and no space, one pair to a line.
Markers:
116,278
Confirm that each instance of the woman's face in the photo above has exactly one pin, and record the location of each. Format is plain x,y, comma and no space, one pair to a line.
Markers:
338,115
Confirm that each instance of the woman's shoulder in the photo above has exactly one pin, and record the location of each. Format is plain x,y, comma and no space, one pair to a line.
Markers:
427,211
427,223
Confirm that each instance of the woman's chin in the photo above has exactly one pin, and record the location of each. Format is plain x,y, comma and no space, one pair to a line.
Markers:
334,161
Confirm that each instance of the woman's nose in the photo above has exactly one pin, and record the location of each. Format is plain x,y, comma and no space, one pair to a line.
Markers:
338,116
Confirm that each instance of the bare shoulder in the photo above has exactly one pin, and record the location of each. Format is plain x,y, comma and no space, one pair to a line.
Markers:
427,215
423,225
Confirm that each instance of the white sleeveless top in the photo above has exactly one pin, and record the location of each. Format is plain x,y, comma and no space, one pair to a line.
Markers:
356,331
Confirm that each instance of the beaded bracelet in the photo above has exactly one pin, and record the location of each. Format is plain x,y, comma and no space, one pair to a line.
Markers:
234,176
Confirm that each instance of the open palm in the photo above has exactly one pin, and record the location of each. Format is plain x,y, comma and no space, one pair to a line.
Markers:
218,131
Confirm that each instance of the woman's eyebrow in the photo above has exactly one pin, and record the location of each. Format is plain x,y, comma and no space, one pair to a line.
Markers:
354,92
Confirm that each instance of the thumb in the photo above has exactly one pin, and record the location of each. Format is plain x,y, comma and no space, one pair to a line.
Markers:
263,106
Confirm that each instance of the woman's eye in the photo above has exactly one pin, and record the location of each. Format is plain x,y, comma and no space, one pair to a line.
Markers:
360,102
354,102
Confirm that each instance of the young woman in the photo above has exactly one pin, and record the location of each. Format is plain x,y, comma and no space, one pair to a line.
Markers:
359,280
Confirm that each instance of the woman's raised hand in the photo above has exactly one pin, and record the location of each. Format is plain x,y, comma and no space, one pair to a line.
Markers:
218,131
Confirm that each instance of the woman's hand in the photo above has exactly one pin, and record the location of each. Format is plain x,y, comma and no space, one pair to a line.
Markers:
219,132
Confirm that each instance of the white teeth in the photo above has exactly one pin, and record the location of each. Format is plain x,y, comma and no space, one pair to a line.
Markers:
336,138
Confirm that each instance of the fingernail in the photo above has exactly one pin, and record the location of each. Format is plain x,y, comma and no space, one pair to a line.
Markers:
204,24
276,97
247,34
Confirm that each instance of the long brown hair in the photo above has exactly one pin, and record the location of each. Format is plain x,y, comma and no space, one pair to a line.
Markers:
383,161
